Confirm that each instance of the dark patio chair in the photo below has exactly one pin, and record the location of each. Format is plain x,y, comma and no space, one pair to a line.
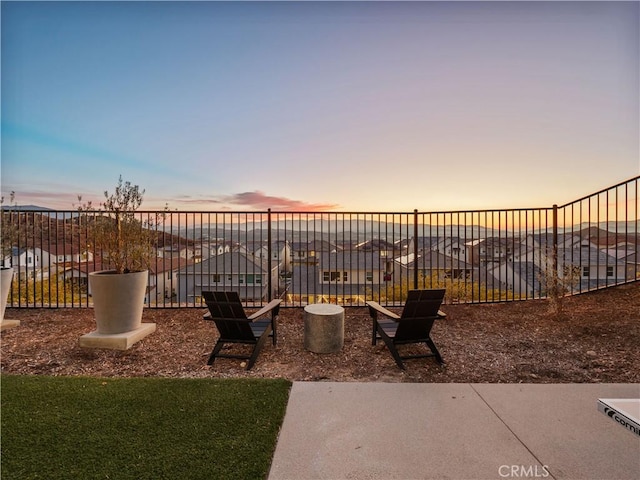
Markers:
413,326
226,311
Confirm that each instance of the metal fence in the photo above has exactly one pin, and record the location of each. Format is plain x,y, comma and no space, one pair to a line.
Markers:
344,257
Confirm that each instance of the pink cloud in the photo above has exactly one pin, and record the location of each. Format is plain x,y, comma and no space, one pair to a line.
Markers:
255,200
262,201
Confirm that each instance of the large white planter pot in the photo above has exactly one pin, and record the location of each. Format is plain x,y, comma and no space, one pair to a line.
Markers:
118,300
6,275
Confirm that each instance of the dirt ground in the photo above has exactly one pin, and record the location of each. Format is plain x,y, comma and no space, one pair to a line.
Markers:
595,340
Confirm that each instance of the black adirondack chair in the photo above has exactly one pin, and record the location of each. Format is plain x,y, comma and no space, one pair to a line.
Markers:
421,309
226,311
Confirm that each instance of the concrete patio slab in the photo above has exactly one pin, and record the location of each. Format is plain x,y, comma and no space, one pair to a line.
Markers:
452,431
392,431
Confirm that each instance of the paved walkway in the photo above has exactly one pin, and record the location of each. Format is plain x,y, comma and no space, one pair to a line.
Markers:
454,431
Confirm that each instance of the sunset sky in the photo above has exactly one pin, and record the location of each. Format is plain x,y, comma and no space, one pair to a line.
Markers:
363,106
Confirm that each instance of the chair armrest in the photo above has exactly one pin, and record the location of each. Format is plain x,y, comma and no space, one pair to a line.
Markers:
266,309
380,309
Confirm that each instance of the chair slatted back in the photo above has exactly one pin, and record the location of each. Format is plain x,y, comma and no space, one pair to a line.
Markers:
419,313
228,315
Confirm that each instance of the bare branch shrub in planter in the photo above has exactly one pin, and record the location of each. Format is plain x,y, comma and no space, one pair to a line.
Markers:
116,233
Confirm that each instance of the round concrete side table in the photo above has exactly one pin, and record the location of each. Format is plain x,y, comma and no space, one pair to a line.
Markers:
323,328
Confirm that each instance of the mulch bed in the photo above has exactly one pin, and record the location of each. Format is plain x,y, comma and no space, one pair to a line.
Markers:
595,339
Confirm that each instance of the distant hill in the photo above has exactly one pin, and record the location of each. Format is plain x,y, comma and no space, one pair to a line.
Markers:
31,208
57,214
354,229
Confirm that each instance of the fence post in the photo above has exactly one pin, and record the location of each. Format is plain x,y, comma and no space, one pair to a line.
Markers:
270,294
415,249
555,250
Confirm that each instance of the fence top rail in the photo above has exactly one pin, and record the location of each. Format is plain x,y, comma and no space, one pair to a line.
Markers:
604,190
286,212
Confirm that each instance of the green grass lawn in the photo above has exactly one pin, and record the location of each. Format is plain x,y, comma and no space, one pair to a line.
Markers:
139,428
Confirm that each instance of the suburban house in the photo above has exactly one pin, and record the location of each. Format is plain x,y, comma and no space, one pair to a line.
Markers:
578,266
310,252
23,259
346,276
522,277
354,267
408,245
318,248
78,273
490,250
604,239
300,252
208,249
592,261
231,271
279,250
163,278
593,264
385,249
63,254
44,261
431,263
187,252
451,247
627,255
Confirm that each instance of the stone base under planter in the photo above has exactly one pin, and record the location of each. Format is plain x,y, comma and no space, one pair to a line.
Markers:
117,341
7,324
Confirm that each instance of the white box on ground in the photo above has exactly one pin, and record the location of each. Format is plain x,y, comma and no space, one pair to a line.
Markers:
624,411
